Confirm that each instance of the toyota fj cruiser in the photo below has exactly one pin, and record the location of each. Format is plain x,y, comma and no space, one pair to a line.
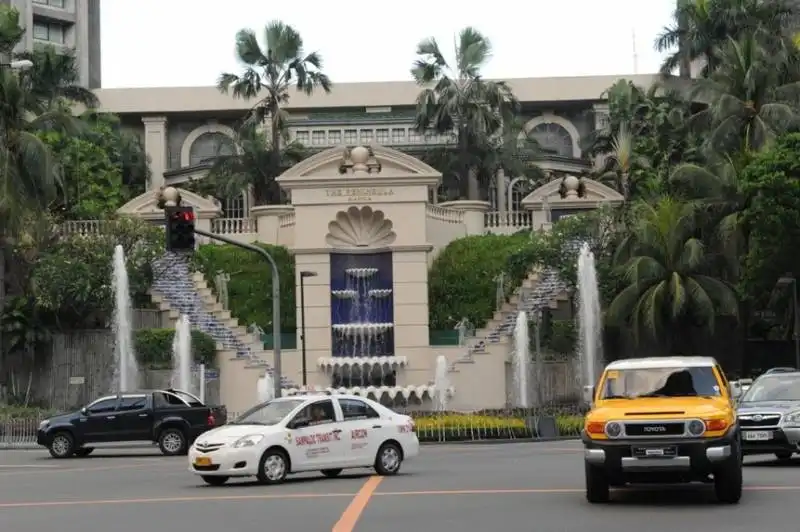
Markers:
662,420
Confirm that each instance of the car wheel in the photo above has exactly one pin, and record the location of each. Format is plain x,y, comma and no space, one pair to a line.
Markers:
728,479
214,480
331,473
83,451
389,459
62,445
273,467
597,485
783,456
172,442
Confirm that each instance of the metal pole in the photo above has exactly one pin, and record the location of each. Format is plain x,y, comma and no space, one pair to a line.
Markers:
276,302
796,328
303,326
202,387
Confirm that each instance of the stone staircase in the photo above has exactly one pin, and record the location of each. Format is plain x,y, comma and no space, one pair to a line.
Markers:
178,290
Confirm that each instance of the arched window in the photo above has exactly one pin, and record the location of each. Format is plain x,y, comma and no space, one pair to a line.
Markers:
553,139
209,146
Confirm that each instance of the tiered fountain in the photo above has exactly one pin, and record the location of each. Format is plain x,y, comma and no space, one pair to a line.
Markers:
359,335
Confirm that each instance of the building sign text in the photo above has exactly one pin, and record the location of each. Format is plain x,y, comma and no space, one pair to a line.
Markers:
356,194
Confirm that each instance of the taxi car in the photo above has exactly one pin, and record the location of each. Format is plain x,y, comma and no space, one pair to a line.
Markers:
662,420
326,433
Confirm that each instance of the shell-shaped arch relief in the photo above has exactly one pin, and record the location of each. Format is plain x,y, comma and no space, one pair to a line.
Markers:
360,228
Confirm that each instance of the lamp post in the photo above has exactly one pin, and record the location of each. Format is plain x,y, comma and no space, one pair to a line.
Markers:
22,64
784,282
303,276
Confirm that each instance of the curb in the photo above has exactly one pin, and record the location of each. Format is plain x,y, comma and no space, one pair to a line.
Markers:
31,446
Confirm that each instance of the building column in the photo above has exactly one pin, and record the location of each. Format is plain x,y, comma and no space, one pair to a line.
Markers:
155,145
500,183
602,120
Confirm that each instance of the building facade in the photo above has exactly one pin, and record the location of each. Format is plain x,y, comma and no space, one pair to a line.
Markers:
183,128
65,24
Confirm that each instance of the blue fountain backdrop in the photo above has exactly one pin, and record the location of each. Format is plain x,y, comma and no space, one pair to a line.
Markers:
362,304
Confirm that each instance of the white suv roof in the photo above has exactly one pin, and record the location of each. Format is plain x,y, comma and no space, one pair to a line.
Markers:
663,362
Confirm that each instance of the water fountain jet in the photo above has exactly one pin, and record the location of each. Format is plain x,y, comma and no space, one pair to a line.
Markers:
182,355
441,384
126,370
590,348
265,389
521,361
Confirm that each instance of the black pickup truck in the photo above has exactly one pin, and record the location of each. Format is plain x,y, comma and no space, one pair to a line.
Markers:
170,418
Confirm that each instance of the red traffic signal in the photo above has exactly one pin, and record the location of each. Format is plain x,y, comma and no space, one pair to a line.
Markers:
179,228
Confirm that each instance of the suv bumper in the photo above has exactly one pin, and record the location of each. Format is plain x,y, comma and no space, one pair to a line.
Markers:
782,440
692,459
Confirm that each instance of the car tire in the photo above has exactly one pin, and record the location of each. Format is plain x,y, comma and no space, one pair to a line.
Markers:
784,456
62,445
83,452
172,442
728,479
331,473
214,480
597,485
273,467
389,459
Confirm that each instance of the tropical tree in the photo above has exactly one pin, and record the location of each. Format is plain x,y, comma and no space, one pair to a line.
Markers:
268,76
667,286
456,99
54,78
748,102
250,166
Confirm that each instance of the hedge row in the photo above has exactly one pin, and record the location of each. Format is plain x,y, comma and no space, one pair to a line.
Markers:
154,348
250,284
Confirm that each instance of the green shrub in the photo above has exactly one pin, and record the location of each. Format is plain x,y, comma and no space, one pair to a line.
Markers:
450,426
24,412
250,285
462,281
154,348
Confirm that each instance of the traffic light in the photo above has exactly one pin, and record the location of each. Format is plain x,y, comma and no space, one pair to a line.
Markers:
180,228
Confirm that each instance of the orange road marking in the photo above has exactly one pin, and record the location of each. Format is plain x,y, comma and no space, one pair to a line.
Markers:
350,516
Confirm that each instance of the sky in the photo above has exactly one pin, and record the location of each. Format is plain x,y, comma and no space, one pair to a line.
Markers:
180,43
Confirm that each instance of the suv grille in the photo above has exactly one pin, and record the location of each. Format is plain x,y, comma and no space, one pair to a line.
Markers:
761,420
655,429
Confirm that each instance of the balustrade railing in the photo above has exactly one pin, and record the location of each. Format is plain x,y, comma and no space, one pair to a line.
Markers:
233,226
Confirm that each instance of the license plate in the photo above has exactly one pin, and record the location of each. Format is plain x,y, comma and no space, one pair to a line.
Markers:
759,435
654,452
202,461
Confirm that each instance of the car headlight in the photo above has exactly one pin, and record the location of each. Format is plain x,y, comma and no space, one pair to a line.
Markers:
792,419
613,429
696,427
44,423
248,441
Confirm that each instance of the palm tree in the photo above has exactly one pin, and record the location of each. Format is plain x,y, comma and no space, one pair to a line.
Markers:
456,99
665,268
700,27
269,74
250,166
749,103
54,77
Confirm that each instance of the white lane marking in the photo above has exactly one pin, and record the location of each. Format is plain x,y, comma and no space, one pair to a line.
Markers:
21,466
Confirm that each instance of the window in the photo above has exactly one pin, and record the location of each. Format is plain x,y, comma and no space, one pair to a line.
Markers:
49,32
103,406
414,137
660,382
318,138
132,402
553,139
270,413
398,136
167,400
209,146
317,413
777,387
235,206
355,409
382,136
52,3
350,136
334,137
302,137
366,136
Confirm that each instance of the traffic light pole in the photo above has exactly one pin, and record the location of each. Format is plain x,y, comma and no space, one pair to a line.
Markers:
276,301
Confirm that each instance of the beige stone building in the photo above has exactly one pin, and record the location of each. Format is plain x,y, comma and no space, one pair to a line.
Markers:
365,224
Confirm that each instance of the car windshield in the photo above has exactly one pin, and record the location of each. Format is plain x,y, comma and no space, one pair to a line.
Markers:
269,413
660,382
773,388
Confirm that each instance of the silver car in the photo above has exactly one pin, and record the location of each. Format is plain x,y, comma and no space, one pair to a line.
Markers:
769,415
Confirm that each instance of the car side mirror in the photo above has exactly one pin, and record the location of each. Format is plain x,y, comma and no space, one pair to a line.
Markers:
84,411
588,394
299,423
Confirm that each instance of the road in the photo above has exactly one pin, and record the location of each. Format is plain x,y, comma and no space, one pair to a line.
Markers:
449,488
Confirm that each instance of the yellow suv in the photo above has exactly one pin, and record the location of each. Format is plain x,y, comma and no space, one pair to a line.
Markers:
662,420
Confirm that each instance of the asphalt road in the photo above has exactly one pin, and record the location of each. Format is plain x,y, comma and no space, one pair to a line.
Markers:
518,487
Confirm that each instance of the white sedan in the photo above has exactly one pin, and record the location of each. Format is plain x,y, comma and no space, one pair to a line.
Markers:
326,433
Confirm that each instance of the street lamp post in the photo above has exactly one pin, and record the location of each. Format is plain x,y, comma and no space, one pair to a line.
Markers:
21,64
786,281
303,276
